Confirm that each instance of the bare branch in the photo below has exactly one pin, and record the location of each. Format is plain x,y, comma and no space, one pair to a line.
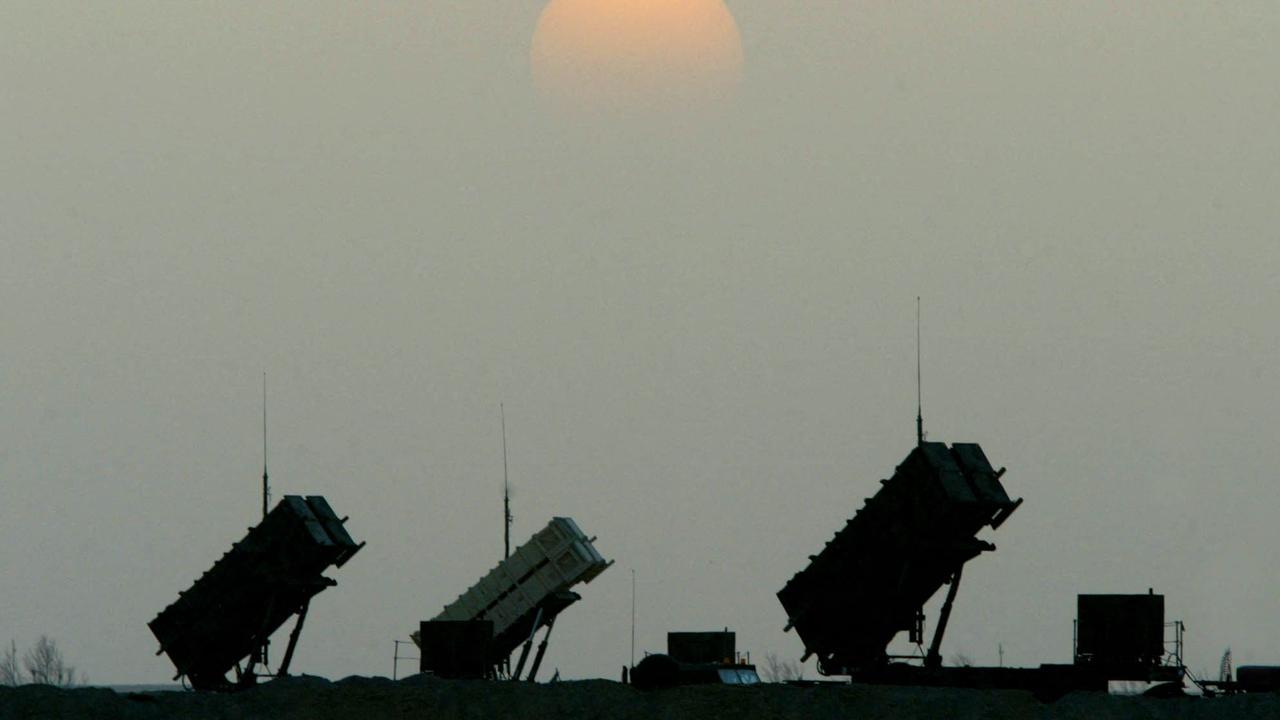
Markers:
777,670
45,665
10,670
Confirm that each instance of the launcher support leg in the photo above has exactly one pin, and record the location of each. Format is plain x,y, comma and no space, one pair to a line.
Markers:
293,640
934,658
259,655
528,644
542,649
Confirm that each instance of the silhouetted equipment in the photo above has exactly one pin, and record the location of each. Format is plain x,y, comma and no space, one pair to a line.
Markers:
702,647
271,574
695,658
456,648
1258,678
914,535
1137,651
525,593
1120,631
1248,679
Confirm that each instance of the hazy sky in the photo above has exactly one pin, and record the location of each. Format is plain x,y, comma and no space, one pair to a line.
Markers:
702,333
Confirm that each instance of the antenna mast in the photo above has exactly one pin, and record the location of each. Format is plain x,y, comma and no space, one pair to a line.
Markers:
919,390
266,486
633,618
506,490
265,653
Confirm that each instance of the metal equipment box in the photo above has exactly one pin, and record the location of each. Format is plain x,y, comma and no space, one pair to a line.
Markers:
702,647
1120,629
456,648
1258,678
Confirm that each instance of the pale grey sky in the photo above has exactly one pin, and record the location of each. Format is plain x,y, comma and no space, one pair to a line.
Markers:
704,338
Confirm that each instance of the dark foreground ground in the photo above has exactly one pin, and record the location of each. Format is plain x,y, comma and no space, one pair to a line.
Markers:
376,698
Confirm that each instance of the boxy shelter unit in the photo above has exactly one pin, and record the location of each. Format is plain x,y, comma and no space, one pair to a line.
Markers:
703,647
271,574
695,658
914,535
1120,631
523,594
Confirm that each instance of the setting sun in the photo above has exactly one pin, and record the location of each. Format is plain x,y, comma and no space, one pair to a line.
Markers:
636,55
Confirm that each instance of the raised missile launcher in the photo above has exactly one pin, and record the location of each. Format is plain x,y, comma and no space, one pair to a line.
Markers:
522,594
228,614
913,536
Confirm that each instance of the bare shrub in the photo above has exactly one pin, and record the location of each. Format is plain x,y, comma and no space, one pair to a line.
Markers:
45,665
777,670
10,670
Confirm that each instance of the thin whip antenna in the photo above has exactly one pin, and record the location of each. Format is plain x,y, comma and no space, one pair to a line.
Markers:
633,617
919,385
266,498
266,485
506,490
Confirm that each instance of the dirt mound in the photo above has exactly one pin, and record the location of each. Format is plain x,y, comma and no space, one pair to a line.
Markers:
424,698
